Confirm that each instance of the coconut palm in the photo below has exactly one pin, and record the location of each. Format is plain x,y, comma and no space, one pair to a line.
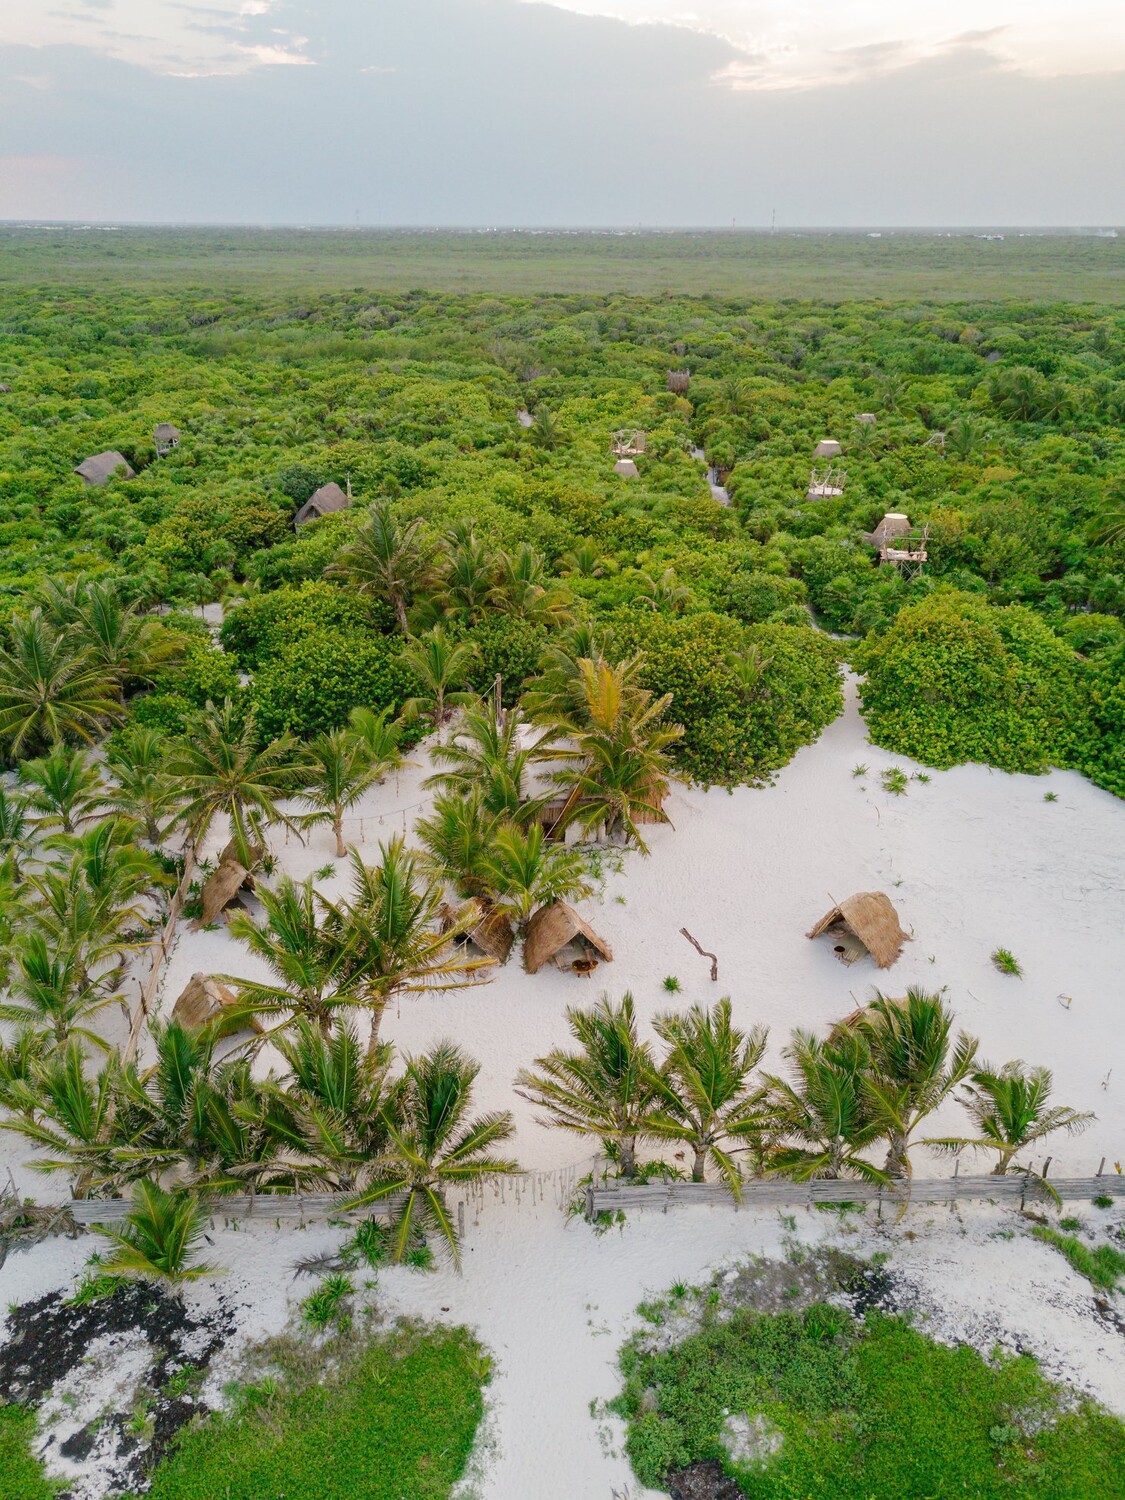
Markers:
607,1088
386,559
129,646
821,1116
468,575
750,669
492,752
583,560
434,1144
161,1232
457,838
545,431
51,688
557,691
59,1106
1010,1111
137,759
914,1065
965,436
381,739
523,588
46,993
705,1095
63,789
222,770
665,592
15,826
522,870
340,770
441,667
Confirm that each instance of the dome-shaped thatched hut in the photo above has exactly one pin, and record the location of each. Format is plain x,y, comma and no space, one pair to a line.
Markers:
864,925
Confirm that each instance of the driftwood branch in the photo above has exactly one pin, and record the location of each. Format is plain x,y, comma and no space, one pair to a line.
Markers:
703,951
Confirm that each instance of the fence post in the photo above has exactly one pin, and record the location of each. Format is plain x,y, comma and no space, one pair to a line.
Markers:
1101,1167
590,1202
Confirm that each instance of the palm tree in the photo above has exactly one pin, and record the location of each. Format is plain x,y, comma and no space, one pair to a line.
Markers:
750,669
51,688
457,838
523,871
913,1066
545,431
58,1106
665,592
14,826
220,769
46,992
467,576
1011,1111
557,691
523,588
340,771
492,752
822,1118
161,1232
583,560
705,1096
439,664
386,559
126,644
964,436
433,1145
137,758
391,934
607,1088
380,738
63,789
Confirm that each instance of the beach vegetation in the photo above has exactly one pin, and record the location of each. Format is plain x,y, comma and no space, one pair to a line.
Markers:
1006,962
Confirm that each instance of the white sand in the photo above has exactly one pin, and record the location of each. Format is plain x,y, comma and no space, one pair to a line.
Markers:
973,860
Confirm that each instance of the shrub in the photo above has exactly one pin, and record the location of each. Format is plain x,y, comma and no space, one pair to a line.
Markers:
268,624
319,680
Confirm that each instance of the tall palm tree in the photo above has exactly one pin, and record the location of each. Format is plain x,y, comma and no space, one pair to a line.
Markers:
221,770
1010,1110
557,691
457,838
340,770
386,559
63,789
914,1065
706,1098
441,667
607,1088
434,1144
51,688
467,578
822,1117
137,758
493,752
523,871
128,645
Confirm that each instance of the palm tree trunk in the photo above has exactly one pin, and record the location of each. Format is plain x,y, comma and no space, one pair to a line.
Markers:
627,1145
699,1165
400,612
376,1020
338,830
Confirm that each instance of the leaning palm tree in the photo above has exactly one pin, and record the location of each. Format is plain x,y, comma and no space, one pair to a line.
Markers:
706,1099
340,771
386,559
137,758
51,688
63,789
494,752
522,871
161,1233
1010,1111
821,1117
434,1144
221,770
441,667
607,1088
914,1065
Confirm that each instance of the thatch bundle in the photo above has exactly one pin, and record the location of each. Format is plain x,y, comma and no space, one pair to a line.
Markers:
483,925
552,928
204,999
864,924
221,887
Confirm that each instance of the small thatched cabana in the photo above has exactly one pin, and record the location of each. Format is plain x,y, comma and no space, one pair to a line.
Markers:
553,929
893,524
479,922
679,381
165,437
325,502
103,466
827,448
626,468
868,418
204,999
221,887
864,924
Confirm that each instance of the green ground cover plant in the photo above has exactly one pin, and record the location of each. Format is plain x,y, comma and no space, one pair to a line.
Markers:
21,1474
868,1407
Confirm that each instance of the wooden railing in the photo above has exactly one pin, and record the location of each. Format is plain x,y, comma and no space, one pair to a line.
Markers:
780,1192
264,1206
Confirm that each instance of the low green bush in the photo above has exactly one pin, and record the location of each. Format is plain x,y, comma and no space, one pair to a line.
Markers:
323,675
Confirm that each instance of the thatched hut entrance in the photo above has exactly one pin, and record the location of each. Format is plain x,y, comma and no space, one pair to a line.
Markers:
205,1000
864,925
483,925
558,932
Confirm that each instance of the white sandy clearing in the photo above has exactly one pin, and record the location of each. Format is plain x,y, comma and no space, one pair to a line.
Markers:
974,860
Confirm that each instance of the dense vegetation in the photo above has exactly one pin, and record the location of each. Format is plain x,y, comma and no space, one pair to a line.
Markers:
832,1405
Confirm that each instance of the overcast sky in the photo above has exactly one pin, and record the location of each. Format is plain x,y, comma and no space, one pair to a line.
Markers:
610,112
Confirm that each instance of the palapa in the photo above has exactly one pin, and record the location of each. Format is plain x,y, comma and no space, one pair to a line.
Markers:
204,999
327,500
865,923
827,448
220,889
626,468
484,925
549,931
103,466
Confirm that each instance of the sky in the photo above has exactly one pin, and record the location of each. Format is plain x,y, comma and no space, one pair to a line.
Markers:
584,112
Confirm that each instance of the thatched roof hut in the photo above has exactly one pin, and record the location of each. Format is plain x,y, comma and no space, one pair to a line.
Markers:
827,448
864,924
220,889
325,502
868,418
204,999
552,929
626,468
679,381
5,388
483,925
103,466
165,437
893,524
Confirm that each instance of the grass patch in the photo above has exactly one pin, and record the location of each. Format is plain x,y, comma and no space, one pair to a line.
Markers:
382,1417
1007,962
857,1408
21,1474
1102,1265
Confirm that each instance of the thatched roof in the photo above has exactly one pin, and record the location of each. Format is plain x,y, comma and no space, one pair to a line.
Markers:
893,524
221,888
5,388
551,928
827,448
626,468
867,417
164,432
869,917
679,381
484,925
204,999
325,502
103,466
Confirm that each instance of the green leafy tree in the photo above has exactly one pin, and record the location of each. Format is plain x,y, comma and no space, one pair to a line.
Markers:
340,771
493,753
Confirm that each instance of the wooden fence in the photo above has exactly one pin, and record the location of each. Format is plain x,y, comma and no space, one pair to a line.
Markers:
264,1206
610,1196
